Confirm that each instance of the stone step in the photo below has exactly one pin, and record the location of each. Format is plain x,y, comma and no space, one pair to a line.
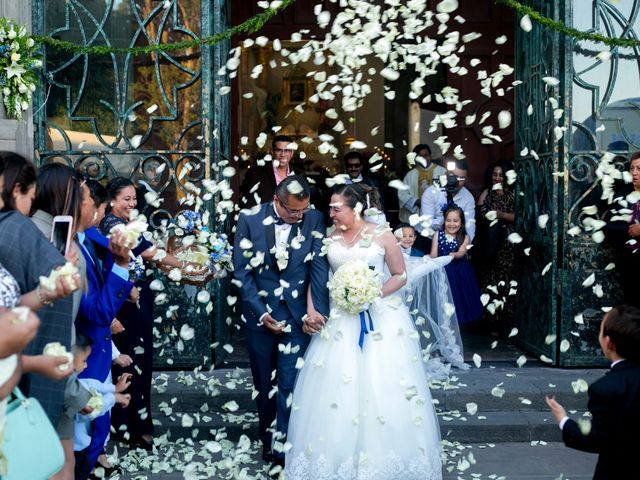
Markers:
524,389
487,427
499,427
220,402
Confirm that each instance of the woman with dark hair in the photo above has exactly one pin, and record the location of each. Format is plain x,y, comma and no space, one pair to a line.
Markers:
361,356
27,255
136,316
498,210
19,186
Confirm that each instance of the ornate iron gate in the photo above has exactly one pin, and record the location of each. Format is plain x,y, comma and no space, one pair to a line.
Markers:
537,157
599,114
157,118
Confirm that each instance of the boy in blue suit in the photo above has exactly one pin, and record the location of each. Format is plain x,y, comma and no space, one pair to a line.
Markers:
104,295
406,234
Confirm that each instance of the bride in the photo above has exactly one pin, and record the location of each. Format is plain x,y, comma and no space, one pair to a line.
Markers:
364,412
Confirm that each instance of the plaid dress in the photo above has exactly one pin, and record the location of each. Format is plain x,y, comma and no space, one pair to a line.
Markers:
27,254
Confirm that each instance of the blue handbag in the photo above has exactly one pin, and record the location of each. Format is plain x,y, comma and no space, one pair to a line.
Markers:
31,445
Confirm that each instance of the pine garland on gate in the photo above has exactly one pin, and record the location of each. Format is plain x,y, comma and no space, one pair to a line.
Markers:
249,26
574,33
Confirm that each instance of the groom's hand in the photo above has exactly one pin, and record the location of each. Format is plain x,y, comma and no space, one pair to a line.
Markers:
271,324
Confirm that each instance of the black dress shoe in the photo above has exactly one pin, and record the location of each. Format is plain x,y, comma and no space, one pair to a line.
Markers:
278,461
267,456
140,442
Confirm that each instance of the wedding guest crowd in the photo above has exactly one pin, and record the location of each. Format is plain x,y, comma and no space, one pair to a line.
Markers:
99,296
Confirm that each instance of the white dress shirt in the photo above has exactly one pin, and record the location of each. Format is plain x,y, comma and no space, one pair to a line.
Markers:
433,200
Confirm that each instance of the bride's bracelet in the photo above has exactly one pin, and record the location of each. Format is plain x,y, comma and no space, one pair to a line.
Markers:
381,293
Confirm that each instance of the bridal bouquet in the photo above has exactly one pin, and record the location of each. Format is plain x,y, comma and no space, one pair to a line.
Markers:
354,287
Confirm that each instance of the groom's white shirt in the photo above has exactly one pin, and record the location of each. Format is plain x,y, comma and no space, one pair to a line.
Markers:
282,234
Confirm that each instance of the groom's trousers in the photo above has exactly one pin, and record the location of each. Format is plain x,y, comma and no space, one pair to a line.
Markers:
269,352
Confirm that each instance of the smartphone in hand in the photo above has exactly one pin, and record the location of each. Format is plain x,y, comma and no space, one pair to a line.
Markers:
61,233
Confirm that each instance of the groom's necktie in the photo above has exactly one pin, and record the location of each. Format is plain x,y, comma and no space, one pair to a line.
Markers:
278,221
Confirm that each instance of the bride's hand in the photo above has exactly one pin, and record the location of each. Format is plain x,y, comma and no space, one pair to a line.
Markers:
313,323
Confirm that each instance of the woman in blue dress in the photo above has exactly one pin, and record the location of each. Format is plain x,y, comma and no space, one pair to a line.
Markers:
454,241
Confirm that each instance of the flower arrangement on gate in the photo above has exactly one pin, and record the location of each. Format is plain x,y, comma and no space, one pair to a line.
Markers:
18,61
354,287
199,245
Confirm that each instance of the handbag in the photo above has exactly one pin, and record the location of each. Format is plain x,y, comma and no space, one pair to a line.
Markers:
31,445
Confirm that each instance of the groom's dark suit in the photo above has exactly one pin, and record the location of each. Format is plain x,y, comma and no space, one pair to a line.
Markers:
282,293
614,402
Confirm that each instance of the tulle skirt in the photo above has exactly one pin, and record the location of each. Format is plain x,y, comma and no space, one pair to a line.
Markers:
364,413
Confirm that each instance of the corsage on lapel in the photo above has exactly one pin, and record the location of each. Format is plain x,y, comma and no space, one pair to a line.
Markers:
296,243
282,256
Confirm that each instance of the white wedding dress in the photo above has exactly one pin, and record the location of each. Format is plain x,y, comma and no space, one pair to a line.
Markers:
364,413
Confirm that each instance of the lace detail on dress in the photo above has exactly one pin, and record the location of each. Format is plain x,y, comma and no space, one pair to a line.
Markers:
390,467
372,253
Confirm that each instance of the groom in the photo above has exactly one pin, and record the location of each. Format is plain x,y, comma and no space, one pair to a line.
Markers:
276,257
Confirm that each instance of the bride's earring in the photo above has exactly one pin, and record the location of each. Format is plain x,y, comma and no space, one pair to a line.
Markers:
95,216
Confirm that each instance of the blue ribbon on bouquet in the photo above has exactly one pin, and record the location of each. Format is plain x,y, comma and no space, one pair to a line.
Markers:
363,327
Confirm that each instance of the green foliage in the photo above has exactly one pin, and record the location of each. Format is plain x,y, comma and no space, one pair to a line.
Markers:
252,25
568,31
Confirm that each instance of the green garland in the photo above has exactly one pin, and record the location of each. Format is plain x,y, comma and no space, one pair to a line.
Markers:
255,23
569,31
251,25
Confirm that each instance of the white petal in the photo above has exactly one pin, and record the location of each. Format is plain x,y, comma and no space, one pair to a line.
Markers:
589,280
390,74
525,23
545,359
447,6
497,392
514,237
477,360
398,185
504,118
542,220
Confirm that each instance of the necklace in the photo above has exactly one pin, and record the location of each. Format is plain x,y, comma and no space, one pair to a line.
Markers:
355,237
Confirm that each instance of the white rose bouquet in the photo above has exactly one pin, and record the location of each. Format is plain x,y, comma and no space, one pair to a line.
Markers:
354,287
19,59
